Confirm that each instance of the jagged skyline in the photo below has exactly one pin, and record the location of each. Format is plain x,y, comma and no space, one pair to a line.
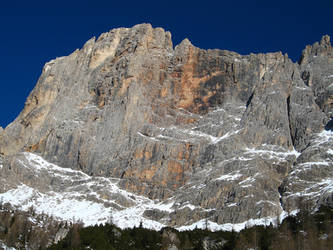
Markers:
202,133
35,33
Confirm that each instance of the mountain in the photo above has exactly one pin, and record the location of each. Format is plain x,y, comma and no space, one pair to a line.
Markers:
134,130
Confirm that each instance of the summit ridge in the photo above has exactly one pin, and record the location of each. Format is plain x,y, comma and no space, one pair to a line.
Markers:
206,134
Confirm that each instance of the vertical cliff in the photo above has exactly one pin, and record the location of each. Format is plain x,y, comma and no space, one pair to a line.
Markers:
217,133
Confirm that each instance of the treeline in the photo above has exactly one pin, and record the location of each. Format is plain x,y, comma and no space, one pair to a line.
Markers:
304,231
26,229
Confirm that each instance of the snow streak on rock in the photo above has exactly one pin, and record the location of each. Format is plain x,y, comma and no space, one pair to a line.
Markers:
83,202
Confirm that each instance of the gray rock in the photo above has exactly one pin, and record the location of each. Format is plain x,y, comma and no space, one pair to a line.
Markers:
316,67
311,176
171,239
61,234
208,243
211,129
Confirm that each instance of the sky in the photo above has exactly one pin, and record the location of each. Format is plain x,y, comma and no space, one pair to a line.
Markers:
35,32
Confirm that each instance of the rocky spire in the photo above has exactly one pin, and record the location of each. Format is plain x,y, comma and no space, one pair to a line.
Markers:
322,49
325,42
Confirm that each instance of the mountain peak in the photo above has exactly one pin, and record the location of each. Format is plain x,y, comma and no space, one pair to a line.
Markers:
209,134
322,49
325,41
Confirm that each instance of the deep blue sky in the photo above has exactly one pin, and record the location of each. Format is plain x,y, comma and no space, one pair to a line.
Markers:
34,32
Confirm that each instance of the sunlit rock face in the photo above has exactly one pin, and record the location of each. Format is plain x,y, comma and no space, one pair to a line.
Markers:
208,133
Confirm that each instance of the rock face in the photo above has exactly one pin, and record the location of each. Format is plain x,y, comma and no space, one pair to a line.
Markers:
221,135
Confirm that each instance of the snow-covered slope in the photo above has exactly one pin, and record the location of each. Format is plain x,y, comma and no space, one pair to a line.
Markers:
72,195
96,200
92,200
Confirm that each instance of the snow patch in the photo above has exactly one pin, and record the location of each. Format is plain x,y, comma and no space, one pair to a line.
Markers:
190,206
215,140
316,189
213,226
266,201
147,137
311,163
189,134
272,153
229,177
323,137
247,180
303,88
90,107
5,247
39,165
